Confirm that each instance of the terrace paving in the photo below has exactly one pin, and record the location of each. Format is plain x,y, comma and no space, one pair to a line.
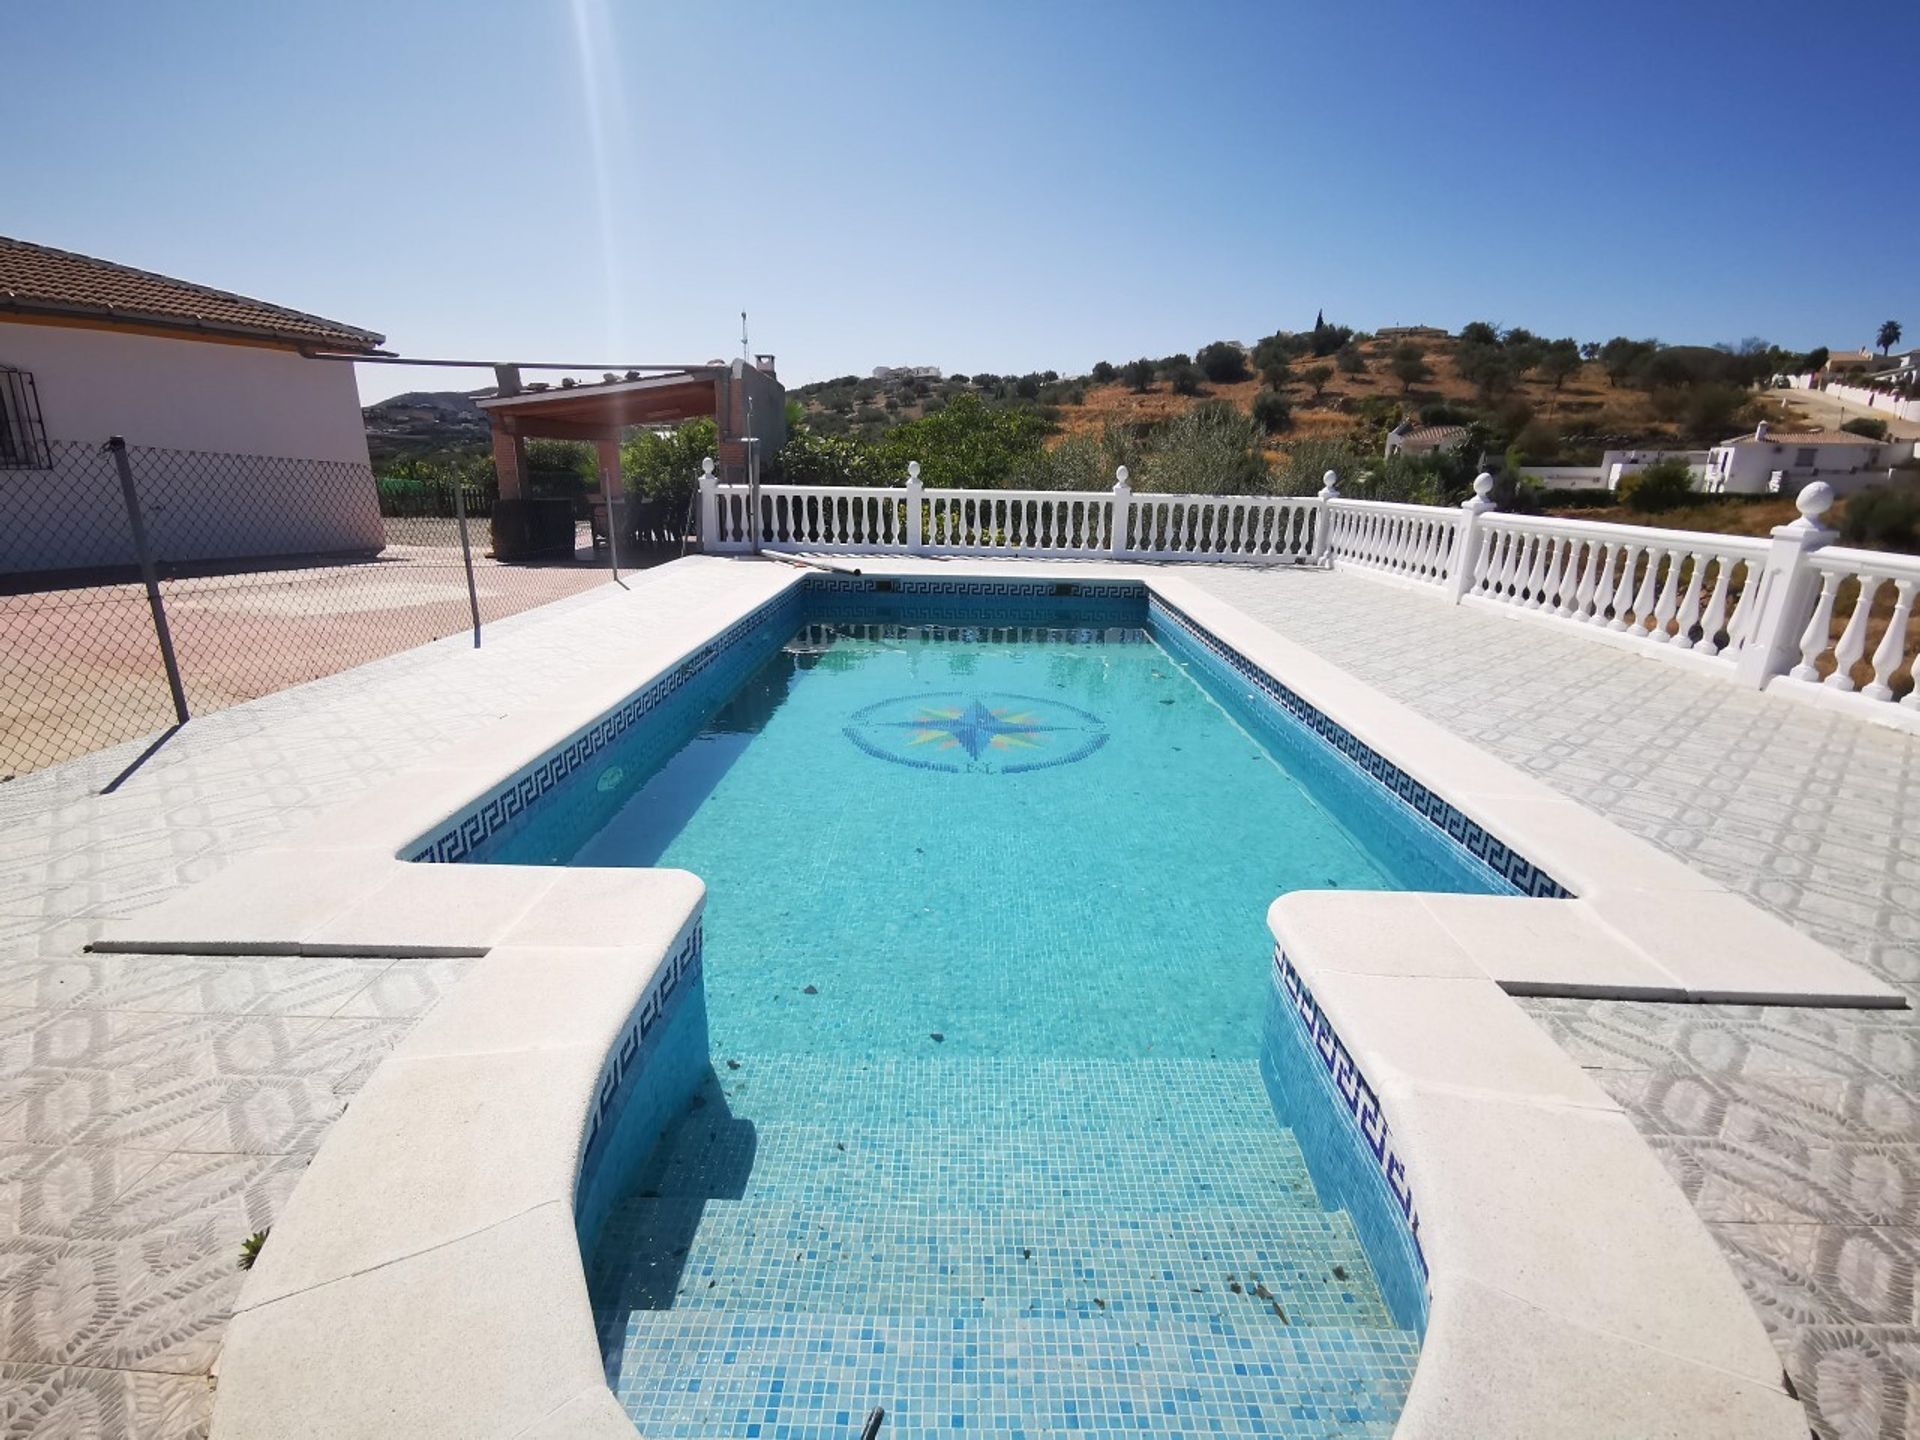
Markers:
156,1110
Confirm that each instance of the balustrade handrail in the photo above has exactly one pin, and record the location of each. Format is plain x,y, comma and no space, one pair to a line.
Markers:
1647,535
1877,562
1396,507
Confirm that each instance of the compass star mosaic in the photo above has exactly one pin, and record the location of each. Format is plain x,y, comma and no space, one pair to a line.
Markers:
987,734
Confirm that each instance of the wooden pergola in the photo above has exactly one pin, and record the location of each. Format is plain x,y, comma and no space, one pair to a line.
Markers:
601,414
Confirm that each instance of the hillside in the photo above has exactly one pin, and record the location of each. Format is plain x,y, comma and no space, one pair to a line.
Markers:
425,422
1570,423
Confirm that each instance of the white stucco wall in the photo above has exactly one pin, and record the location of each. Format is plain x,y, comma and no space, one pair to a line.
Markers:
1747,468
188,394
240,451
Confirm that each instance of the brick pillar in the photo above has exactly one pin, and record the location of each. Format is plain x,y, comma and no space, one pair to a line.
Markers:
510,461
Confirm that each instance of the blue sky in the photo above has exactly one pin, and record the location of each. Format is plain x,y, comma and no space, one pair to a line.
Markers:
985,186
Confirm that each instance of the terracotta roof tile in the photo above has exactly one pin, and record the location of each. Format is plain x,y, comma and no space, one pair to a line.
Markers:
37,279
1801,437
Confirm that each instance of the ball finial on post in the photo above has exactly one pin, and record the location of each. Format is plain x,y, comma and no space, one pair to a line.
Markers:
1330,486
1483,484
913,470
1814,501
706,465
1120,484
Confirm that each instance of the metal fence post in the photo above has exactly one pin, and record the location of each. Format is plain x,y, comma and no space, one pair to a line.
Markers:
609,469
118,446
466,555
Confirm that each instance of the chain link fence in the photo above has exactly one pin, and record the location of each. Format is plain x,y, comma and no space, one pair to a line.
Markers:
253,573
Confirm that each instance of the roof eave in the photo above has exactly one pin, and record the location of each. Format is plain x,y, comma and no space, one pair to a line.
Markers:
342,337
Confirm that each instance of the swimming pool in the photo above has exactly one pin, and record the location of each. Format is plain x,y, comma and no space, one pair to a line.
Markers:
991,1135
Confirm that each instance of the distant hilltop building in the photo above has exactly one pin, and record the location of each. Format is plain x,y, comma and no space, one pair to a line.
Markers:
1411,332
906,372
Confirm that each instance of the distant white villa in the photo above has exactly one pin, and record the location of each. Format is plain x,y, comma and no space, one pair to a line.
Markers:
906,372
1409,438
1775,463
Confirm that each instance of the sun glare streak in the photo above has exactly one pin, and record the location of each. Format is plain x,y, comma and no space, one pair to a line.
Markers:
601,92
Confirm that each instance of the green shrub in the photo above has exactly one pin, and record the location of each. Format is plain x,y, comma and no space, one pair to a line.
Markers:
1664,485
1186,380
1104,373
1873,429
1223,362
1213,449
1139,374
1884,516
1273,412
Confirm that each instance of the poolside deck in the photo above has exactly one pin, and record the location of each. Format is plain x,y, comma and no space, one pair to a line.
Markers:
156,1110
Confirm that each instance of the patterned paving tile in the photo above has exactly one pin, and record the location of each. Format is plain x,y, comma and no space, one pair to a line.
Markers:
1796,1126
65,1402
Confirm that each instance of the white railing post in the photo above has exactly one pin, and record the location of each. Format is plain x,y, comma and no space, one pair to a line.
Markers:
1787,585
1122,508
709,508
1466,540
916,544
1323,532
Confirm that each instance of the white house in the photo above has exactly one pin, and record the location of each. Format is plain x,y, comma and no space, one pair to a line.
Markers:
1766,463
1409,438
222,383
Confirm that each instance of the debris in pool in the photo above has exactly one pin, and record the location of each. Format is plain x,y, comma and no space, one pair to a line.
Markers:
937,1037
733,1064
1167,701
839,1144
1234,1285
1025,1253
1263,1292
811,990
1339,1272
1281,1313
698,1102
1098,1301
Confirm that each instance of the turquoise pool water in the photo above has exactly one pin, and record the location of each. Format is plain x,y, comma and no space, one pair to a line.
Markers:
986,1140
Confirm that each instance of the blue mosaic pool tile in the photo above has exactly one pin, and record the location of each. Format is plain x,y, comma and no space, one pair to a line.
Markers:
1514,870
1285,1266
816,1377
1334,1113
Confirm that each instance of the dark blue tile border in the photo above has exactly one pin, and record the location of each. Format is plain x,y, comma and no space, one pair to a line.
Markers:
1360,1100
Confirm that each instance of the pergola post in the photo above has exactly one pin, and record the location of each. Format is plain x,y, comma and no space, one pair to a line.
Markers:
510,463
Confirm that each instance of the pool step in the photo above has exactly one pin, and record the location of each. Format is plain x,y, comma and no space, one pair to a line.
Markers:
1277,1269
1067,1096
712,1153
815,1377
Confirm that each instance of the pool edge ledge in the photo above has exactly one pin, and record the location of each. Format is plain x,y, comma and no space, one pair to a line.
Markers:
462,1157
1539,1210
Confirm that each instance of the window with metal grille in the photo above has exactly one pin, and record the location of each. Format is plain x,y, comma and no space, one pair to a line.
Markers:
23,439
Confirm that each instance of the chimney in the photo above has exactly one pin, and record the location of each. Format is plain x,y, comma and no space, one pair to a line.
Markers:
1760,431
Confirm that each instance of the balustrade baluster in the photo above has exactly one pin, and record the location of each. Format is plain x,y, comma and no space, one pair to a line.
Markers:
1688,614
1853,640
1818,635
1891,652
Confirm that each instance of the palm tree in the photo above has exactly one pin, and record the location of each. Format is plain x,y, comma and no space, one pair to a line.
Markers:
1889,336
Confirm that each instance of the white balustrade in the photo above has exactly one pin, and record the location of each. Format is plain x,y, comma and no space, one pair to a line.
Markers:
1415,541
1794,609
1672,587
1866,596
